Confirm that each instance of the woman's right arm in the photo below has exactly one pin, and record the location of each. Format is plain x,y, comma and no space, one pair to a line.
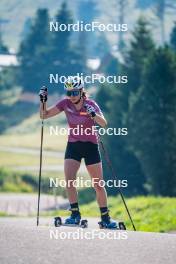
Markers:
46,113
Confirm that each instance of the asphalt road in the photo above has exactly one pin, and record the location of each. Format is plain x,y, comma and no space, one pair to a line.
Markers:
22,242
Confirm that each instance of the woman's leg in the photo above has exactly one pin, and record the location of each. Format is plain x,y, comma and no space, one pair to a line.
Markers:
96,173
71,168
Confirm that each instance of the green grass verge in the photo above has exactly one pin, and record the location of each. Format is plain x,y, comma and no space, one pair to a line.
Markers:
11,181
15,159
32,140
152,214
14,181
3,214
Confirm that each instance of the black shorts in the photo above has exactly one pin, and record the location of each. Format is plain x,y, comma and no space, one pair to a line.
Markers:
87,150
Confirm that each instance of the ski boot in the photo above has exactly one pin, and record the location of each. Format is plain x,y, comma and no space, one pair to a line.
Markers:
74,219
112,225
107,222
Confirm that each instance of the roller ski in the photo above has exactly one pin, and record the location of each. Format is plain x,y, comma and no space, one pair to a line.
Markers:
107,223
73,221
112,225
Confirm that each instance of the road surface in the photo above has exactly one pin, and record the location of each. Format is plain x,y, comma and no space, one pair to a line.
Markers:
22,242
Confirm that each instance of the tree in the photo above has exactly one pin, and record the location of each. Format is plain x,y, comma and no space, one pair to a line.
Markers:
6,82
26,28
102,47
152,123
144,3
122,7
161,9
103,97
86,44
33,53
126,164
90,5
65,59
124,159
173,38
141,47
3,48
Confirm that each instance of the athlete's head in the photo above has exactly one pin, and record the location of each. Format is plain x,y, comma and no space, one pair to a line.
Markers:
74,87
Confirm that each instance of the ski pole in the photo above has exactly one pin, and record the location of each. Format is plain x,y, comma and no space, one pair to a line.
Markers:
115,177
40,169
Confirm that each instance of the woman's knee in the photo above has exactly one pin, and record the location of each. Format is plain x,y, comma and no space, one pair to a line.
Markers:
70,184
99,187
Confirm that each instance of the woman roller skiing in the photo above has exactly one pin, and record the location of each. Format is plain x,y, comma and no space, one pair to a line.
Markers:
80,111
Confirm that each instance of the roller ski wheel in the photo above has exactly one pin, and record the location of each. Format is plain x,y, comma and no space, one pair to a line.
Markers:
122,226
84,223
57,221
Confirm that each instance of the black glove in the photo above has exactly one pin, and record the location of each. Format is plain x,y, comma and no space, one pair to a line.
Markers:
43,94
90,110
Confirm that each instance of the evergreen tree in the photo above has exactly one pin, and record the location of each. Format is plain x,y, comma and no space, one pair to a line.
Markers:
60,39
26,28
103,46
122,4
103,96
65,59
152,123
6,82
126,164
140,48
86,12
173,38
3,48
161,9
143,4
122,155
33,53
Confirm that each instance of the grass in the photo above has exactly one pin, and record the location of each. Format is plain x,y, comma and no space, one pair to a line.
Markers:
14,159
13,181
27,181
3,214
27,131
151,214
32,140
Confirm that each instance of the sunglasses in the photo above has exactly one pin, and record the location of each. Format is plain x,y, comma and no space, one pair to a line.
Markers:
72,93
